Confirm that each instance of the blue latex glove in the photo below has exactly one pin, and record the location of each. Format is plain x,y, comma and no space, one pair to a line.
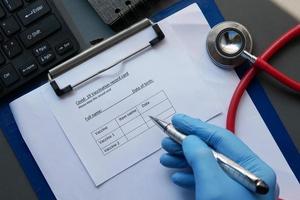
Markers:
200,170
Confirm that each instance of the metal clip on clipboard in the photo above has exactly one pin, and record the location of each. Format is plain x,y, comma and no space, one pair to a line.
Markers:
93,51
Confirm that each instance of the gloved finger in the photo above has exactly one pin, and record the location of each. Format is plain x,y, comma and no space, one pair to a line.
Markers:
184,179
172,161
201,159
218,138
171,146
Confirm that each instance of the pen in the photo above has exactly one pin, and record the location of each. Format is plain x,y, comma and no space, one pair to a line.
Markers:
234,170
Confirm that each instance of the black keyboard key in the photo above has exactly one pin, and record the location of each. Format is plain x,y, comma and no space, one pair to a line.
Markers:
8,75
39,31
41,49
46,58
64,47
2,12
12,48
10,26
2,59
33,12
27,68
13,5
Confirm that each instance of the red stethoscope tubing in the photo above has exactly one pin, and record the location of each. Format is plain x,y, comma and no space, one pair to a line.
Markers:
261,64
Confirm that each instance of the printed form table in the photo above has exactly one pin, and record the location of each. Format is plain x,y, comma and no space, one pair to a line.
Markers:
133,122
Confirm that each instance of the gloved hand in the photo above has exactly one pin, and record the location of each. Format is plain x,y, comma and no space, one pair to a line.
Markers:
200,170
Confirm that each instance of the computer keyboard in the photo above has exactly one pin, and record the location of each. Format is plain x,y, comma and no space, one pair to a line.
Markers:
33,39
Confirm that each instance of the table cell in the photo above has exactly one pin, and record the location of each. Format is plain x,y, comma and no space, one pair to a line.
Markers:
111,147
105,129
110,138
151,102
137,131
127,116
157,110
132,125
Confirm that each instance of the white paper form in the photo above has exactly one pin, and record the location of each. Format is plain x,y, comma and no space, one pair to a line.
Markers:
107,120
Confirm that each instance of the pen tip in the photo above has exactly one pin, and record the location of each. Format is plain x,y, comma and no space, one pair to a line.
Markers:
159,123
151,117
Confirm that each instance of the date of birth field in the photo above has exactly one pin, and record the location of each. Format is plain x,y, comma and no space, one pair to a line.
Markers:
133,122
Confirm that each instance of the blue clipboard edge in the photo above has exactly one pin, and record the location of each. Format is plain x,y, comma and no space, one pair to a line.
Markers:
256,92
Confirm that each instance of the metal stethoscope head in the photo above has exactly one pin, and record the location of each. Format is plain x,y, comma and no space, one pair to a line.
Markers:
228,44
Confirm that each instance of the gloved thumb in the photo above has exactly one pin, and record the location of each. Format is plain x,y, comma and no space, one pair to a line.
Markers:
201,159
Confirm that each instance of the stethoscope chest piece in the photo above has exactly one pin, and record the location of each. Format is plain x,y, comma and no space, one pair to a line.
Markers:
226,43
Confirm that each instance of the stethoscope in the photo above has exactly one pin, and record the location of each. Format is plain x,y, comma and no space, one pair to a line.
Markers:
229,44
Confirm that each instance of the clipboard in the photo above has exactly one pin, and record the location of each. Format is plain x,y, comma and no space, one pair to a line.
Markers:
256,92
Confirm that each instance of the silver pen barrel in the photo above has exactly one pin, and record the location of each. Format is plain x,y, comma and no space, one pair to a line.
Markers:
241,175
232,169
